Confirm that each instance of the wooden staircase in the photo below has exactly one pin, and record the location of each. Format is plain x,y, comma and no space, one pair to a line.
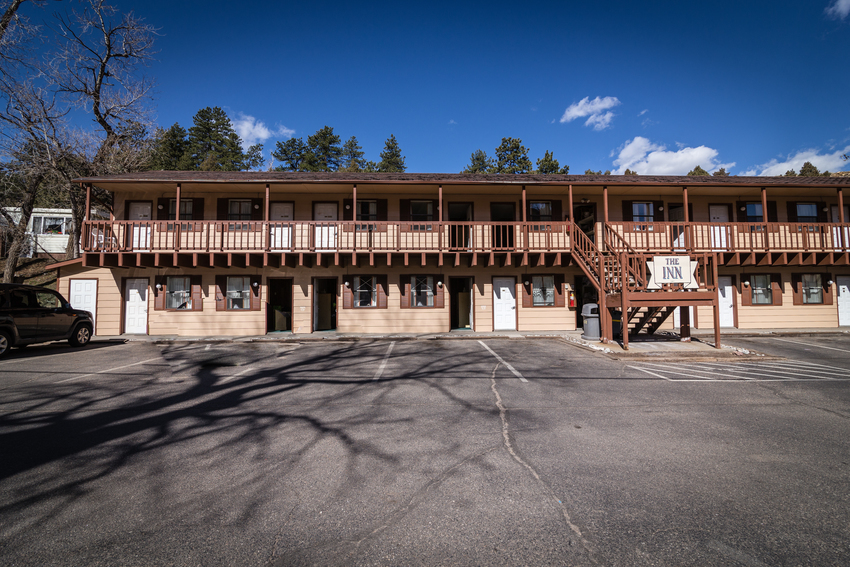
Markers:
648,319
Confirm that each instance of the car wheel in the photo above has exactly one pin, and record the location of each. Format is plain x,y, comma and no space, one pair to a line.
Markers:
5,343
81,336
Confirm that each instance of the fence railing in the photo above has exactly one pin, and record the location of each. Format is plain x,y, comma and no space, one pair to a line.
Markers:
698,237
318,236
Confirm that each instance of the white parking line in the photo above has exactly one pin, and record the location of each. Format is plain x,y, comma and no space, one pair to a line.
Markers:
107,370
31,359
758,370
809,344
231,377
500,359
652,373
663,368
384,362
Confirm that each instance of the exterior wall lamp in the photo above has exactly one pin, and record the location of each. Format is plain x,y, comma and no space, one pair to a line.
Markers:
347,284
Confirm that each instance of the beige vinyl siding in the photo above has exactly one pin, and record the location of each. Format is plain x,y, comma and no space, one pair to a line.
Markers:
108,316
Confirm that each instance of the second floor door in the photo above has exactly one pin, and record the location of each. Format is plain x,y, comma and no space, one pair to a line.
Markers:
325,215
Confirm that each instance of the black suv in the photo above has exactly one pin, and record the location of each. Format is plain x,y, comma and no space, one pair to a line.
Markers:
31,314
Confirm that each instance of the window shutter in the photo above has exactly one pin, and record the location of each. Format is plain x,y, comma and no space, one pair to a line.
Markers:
822,212
557,211
657,211
527,291
797,288
436,208
772,215
628,213
439,293
220,289
222,209
560,292
827,289
198,208
257,209
404,291
197,293
792,213
381,281
404,210
347,293
126,210
776,288
347,209
162,213
256,293
746,293
159,294
381,206
739,214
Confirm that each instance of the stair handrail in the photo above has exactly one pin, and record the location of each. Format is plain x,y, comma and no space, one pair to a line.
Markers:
635,266
587,255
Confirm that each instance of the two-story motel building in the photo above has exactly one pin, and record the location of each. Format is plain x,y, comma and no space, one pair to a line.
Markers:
243,253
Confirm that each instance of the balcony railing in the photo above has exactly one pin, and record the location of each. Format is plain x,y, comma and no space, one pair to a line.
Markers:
698,237
315,236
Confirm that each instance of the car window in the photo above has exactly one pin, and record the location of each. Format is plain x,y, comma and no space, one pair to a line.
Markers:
4,300
48,300
21,299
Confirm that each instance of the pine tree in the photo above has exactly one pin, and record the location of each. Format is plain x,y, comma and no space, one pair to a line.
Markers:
479,162
293,154
790,173
212,144
169,152
352,156
630,172
512,157
325,153
547,164
809,170
391,159
721,173
697,172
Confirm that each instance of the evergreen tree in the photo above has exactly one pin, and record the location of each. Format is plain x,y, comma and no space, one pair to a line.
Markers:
591,172
809,170
547,164
352,156
697,172
630,172
169,152
325,152
370,167
512,157
212,144
391,159
790,173
253,158
721,172
479,162
293,153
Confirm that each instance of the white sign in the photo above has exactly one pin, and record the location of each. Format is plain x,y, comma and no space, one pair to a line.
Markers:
672,270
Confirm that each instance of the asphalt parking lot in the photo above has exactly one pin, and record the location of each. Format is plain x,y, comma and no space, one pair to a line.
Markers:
461,452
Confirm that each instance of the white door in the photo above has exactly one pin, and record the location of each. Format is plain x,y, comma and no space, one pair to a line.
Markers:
504,304
841,235
84,296
326,215
843,285
281,215
718,214
141,211
727,301
136,306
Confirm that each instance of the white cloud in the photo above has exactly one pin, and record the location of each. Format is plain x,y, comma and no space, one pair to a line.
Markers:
830,161
644,111
252,131
838,9
452,121
646,158
594,109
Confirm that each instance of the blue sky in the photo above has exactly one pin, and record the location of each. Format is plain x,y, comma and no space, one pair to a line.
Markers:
755,86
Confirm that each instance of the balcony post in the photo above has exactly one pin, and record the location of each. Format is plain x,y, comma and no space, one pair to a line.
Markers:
87,214
440,218
687,218
177,206
570,205
177,218
266,217
605,203
841,218
353,218
524,231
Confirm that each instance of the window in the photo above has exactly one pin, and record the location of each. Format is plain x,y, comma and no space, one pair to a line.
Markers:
365,291
807,212
178,293
48,300
812,288
367,211
238,294
762,290
754,212
237,209
540,211
422,291
422,211
185,209
643,213
543,291
51,225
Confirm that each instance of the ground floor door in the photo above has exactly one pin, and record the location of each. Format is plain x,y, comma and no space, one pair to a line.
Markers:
843,285
136,306
504,304
677,321
726,294
324,304
83,295
460,298
279,307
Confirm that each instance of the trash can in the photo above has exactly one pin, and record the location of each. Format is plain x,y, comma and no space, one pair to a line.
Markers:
590,317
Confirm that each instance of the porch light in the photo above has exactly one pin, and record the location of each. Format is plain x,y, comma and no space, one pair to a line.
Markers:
585,201
255,284
829,283
347,284
158,286
440,284
256,206
825,208
160,207
660,208
743,208
347,207
746,282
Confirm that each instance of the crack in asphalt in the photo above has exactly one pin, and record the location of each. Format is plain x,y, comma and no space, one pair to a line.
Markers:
506,438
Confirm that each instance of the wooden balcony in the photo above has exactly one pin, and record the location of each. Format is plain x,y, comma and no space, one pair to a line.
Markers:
700,237
148,238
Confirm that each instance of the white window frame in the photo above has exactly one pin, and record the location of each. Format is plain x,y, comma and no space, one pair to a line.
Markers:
238,288
178,297
541,294
422,291
364,285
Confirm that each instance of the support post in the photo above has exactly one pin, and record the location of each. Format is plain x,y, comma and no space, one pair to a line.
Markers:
570,209
440,218
624,303
605,203
87,214
716,302
267,229
841,218
523,205
764,209
685,323
177,205
354,205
